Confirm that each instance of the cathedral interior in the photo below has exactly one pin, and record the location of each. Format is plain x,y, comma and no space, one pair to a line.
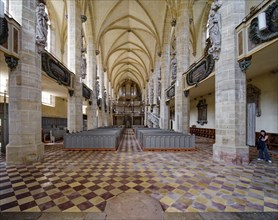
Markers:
138,109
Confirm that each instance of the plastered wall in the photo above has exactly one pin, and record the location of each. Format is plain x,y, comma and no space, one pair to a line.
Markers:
210,100
268,84
59,111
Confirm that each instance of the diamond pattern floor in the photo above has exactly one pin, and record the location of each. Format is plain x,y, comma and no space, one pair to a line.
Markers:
129,143
71,181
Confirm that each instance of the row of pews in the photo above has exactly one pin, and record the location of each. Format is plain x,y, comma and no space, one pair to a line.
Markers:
203,132
155,139
96,139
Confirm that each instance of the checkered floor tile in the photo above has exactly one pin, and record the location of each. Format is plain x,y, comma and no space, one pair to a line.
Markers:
129,142
72,181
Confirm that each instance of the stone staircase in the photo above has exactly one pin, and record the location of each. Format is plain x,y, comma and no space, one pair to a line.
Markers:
153,119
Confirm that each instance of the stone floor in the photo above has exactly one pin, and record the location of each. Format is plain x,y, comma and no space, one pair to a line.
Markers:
70,181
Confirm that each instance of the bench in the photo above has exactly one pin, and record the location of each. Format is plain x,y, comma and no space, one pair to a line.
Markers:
95,139
154,139
203,132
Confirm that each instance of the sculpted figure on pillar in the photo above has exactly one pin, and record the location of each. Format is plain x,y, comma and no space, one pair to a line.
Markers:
152,91
215,29
41,26
83,61
174,66
97,89
105,100
173,60
83,66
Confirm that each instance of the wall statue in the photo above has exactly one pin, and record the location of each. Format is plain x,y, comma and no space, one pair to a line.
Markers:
173,59
174,66
215,29
41,26
97,89
83,65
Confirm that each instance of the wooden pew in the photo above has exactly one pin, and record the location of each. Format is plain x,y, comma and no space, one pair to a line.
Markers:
203,132
154,139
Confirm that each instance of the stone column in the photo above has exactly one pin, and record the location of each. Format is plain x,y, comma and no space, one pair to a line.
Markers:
91,63
182,103
230,95
107,99
155,84
145,92
75,101
101,112
165,82
25,144
111,91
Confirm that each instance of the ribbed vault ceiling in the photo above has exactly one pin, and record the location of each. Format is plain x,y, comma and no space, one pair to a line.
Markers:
128,35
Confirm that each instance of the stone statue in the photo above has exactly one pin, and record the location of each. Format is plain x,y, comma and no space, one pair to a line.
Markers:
174,66
41,26
215,29
151,91
83,66
97,89
159,88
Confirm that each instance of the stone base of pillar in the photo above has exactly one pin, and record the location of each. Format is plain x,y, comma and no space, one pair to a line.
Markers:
238,155
24,154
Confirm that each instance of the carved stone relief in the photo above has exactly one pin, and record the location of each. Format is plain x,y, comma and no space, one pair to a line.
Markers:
173,60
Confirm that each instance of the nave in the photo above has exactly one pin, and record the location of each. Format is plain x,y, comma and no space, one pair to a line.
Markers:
83,181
